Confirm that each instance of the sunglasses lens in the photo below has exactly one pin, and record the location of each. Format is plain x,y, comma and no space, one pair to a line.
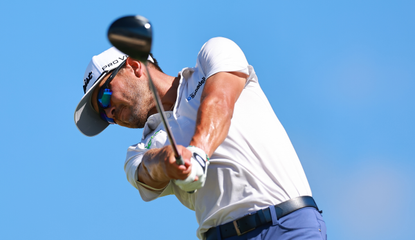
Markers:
105,98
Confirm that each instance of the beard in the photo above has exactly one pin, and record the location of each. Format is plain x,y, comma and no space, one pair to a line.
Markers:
137,118
141,100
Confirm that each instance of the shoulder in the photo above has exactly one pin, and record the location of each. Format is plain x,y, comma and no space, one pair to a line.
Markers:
219,45
217,42
221,54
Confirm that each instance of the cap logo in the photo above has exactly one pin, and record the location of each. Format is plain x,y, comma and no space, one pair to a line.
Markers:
114,62
86,81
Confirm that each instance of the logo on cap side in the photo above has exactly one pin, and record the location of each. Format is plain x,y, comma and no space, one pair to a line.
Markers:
115,62
86,81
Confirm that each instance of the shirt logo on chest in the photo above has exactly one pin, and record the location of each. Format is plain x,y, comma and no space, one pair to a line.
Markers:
193,94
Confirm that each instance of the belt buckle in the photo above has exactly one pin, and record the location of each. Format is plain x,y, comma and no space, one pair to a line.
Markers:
238,232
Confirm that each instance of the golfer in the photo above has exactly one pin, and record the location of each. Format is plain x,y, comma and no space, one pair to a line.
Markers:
241,176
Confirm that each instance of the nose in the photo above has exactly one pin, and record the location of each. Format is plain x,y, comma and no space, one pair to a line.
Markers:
110,111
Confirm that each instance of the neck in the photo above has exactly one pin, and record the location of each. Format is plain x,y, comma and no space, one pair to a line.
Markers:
166,88
170,96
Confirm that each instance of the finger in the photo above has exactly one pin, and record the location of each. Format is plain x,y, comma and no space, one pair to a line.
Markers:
186,156
183,171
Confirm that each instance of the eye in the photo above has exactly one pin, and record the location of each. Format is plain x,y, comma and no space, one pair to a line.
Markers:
106,98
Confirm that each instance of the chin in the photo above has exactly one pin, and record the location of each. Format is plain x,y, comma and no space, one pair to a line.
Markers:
136,124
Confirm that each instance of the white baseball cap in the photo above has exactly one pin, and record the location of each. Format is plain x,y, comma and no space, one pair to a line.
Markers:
86,118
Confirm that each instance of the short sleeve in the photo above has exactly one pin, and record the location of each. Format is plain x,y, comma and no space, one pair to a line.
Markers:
221,55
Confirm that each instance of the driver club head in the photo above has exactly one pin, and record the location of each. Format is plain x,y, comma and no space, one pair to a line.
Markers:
132,35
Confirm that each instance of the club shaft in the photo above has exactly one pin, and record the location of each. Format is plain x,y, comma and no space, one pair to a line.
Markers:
160,109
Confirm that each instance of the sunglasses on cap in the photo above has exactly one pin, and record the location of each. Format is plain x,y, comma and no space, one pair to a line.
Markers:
104,95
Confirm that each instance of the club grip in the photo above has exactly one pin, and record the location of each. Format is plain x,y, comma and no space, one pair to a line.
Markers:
179,160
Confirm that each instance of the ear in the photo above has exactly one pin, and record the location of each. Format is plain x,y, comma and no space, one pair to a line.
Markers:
136,66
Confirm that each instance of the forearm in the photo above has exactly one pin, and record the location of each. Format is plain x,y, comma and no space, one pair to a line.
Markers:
150,171
215,112
212,125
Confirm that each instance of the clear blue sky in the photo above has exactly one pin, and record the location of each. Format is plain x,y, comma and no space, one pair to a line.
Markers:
340,76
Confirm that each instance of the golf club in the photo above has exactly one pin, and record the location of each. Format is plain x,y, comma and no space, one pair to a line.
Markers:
133,36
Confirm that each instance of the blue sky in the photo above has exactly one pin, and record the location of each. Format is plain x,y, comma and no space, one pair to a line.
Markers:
339,74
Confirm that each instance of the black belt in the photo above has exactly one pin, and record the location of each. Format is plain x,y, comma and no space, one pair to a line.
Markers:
254,220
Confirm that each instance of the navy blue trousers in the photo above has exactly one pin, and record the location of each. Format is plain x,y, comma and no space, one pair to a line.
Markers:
303,224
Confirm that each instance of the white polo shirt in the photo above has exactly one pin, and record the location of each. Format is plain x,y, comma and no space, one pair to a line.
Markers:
256,165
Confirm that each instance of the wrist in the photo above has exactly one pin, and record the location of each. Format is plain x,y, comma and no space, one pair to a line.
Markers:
153,164
146,174
191,147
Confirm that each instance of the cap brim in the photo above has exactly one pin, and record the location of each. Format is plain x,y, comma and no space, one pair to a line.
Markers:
86,118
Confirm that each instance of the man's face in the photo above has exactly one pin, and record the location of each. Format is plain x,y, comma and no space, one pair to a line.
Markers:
131,99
